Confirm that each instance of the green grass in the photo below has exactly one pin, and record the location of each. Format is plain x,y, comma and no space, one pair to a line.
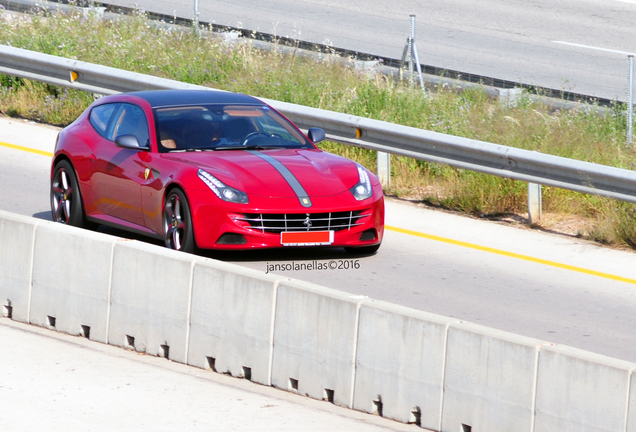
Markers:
134,43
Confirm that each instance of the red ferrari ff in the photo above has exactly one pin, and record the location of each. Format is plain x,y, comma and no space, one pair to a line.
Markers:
211,170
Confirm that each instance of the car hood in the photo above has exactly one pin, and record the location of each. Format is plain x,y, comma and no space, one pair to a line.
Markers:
255,172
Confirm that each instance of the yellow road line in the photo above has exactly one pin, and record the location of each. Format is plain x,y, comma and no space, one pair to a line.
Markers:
26,149
511,254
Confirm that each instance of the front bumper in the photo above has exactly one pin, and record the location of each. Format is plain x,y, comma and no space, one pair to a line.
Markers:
224,226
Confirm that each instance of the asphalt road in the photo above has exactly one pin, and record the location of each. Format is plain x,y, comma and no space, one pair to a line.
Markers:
515,279
505,39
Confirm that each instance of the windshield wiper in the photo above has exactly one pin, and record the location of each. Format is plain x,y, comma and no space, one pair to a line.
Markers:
250,147
259,147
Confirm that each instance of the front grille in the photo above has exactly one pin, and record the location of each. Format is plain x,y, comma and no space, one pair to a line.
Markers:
276,223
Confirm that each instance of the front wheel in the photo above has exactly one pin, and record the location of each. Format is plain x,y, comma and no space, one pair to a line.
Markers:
66,200
177,222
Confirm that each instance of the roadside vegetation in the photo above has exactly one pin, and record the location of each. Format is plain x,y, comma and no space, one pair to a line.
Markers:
134,43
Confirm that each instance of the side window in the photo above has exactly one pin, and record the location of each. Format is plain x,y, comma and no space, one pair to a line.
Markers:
130,120
101,116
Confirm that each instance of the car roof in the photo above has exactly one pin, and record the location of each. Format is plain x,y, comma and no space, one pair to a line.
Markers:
164,98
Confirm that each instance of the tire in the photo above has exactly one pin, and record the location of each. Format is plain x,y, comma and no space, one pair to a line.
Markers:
177,222
363,250
66,199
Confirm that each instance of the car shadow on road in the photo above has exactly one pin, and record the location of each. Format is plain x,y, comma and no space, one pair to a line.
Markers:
46,215
283,254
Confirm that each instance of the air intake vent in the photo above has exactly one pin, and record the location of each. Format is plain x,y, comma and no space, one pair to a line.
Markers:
231,239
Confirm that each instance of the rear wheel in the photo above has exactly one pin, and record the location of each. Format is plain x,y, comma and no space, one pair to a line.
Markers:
66,200
177,222
363,250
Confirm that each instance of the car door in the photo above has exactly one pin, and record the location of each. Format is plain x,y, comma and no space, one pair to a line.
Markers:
119,172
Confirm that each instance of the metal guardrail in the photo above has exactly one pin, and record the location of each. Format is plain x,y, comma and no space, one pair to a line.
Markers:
78,74
499,160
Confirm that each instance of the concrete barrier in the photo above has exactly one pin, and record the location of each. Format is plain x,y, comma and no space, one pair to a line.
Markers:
489,380
150,299
71,280
17,236
581,391
408,365
631,410
314,340
232,319
400,363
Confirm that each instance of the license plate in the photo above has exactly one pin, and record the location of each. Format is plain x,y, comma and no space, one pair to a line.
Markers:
306,238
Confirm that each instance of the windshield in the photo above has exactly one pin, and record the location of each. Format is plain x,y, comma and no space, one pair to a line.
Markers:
224,127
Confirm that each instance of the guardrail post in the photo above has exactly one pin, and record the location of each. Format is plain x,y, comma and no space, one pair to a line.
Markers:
384,169
534,203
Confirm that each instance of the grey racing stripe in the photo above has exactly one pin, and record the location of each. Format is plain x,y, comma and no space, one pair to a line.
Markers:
287,175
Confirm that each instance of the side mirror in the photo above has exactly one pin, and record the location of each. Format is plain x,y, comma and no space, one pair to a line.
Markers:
316,135
128,142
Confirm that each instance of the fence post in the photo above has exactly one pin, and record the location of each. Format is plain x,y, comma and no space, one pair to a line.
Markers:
630,102
534,203
410,55
195,18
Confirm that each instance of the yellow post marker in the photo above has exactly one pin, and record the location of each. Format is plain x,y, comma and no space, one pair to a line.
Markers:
74,76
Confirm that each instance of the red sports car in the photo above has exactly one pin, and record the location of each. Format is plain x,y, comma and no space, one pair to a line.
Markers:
213,170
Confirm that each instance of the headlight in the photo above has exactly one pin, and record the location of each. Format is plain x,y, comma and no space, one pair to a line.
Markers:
363,189
221,190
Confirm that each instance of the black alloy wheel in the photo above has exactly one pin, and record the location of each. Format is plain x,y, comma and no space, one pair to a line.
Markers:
177,222
66,200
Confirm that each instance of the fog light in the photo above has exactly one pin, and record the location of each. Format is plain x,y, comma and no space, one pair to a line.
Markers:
368,235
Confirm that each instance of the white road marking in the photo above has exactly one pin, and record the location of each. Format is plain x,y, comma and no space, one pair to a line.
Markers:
598,48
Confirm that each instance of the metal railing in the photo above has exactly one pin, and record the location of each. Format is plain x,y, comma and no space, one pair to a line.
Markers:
488,158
